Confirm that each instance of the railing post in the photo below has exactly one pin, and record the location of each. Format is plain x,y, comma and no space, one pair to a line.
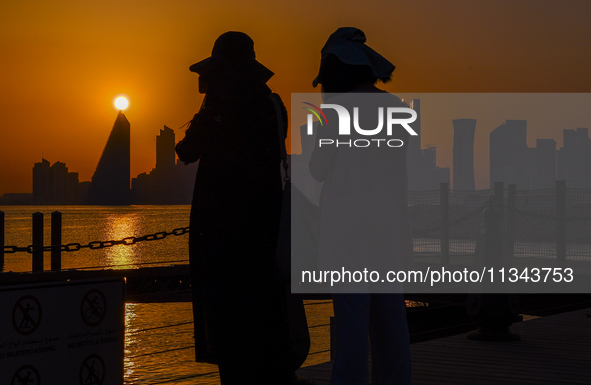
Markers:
444,203
56,241
499,196
511,194
333,337
494,310
37,242
493,224
1,241
560,206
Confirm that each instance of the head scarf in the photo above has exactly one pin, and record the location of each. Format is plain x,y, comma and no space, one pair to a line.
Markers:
348,45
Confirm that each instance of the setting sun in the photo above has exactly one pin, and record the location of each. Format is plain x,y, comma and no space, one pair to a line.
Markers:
121,103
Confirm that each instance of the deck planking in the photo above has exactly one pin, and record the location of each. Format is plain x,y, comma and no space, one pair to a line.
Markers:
552,350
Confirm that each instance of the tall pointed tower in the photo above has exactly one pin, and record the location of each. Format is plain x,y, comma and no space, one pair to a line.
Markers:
110,182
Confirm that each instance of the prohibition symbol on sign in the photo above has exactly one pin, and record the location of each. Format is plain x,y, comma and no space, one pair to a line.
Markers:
26,315
26,375
93,307
92,371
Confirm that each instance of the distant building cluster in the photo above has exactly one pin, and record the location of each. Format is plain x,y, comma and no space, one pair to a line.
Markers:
169,182
53,184
513,162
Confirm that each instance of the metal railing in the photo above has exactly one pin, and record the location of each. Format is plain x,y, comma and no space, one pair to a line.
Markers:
37,248
550,223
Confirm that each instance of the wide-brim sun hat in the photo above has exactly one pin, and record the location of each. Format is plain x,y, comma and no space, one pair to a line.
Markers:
348,45
232,49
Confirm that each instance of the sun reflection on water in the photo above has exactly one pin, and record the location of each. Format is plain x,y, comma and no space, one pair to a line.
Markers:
119,227
130,341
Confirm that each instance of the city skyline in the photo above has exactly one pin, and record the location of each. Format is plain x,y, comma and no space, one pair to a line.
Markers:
64,62
547,116
422,163
418,145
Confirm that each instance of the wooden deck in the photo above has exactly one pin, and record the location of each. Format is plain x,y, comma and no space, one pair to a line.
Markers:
552,350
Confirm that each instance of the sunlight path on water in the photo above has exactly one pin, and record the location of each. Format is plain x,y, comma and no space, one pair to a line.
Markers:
157,351
159,343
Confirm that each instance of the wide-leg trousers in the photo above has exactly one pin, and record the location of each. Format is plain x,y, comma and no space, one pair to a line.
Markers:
382,317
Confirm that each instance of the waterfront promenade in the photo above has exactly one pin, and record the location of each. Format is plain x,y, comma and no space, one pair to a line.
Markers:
550,352
553,350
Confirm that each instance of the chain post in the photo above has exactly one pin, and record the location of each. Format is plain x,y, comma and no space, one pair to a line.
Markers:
444,204
37,245
56,241
499,192
511,195
496,231
560,207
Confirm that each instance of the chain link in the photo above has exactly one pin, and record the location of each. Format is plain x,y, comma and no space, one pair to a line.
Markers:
94,245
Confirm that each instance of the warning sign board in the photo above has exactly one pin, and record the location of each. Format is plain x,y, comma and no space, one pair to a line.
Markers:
69,333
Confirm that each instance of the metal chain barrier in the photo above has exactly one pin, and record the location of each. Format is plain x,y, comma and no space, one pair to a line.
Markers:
544,216
463,218
94,245
99,244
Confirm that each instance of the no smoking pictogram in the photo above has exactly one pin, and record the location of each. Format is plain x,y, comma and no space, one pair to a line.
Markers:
92,371
26,315
26,375
93,307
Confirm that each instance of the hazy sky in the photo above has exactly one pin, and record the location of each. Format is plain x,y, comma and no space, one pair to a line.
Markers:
63,62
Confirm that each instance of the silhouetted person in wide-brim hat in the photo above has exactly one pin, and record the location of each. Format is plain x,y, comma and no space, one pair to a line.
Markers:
232,50
239,308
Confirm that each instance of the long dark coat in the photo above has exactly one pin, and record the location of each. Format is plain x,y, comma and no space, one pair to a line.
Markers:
239,309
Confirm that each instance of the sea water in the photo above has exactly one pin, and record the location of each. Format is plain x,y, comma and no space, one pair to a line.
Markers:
159,336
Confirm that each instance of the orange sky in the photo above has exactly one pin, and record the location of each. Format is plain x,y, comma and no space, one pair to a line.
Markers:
63,62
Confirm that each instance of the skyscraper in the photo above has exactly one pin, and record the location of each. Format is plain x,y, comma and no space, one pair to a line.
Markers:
164,172
423,173
508,154
165,155
42,182
414,153
110,182
463,154
543,174
574,158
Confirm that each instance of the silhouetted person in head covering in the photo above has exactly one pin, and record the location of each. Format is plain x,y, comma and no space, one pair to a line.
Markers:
239,308
364,215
